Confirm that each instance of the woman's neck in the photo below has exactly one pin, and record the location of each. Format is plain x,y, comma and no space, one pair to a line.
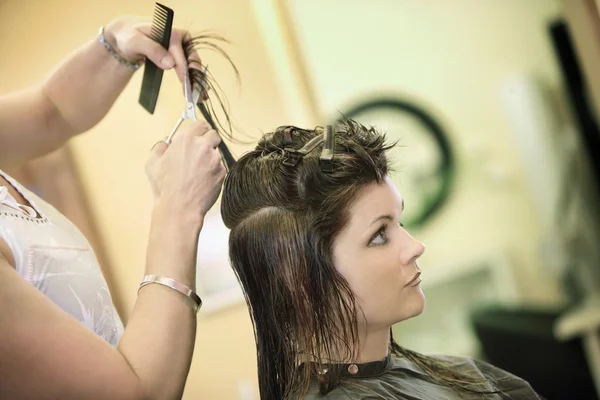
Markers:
373,346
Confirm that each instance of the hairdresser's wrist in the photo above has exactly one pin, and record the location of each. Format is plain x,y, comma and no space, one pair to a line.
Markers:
110,36
172,246
166,212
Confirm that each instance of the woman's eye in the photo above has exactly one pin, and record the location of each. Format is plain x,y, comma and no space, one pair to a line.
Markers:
380,238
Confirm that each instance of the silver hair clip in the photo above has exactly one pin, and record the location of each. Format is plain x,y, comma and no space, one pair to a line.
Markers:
326,158
294,156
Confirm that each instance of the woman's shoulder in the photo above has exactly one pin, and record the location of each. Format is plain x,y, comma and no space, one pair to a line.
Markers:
510,385
472,365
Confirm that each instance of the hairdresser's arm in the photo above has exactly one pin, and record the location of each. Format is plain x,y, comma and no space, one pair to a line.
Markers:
47,354
79,92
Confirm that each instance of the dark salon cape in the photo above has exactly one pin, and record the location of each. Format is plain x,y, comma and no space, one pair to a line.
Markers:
398,378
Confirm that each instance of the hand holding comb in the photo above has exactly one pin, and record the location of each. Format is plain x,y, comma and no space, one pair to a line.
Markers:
162,24
160,31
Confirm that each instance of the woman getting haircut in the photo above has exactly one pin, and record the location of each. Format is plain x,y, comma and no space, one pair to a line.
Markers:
327,269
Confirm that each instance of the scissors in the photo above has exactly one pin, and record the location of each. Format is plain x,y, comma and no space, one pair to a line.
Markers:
191,99
189,113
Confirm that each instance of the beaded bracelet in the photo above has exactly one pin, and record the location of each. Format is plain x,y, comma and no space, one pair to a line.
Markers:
129,65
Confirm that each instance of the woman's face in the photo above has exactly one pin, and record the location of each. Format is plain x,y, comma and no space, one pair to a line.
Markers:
378,258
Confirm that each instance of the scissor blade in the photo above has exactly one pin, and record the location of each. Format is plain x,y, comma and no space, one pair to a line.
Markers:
200,88
190,104
196,94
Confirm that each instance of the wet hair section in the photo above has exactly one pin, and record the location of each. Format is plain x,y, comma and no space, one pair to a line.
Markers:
212,95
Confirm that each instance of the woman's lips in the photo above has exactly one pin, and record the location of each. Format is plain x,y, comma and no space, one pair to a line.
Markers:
416,280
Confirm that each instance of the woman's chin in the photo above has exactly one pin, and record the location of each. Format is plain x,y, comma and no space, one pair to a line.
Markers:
414,307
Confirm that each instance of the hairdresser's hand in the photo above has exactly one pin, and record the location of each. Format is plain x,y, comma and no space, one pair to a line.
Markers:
187,175
130,36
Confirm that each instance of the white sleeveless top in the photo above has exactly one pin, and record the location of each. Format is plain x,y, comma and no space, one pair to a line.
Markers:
55,257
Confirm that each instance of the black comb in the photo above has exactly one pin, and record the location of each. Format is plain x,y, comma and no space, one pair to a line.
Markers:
227,156
160,31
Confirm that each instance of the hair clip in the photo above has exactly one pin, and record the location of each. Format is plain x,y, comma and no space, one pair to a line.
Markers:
326,158
294,156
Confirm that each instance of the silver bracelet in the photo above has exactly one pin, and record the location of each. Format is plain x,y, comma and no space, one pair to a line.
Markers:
129,65
173,284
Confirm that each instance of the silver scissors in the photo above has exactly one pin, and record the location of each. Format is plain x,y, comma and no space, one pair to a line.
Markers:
191,99
189,113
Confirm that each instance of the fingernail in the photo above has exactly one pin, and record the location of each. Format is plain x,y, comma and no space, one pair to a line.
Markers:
168,62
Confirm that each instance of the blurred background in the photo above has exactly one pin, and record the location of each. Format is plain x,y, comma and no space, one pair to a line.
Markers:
495,105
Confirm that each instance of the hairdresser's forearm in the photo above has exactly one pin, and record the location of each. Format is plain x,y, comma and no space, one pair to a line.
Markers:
85,86
76,95
159,339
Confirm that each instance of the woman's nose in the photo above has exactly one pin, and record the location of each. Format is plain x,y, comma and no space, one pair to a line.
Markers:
413,251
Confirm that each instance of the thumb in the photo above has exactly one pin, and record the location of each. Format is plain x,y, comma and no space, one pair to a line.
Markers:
153,50
158,149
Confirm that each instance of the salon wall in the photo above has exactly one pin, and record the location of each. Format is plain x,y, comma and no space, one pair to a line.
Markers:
35,35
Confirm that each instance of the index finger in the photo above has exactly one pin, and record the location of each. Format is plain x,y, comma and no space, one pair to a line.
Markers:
213,138
176,50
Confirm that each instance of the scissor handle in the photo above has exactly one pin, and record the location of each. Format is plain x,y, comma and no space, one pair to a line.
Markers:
177,124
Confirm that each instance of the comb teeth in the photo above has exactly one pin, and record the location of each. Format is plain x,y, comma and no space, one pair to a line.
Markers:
160,31
162,21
